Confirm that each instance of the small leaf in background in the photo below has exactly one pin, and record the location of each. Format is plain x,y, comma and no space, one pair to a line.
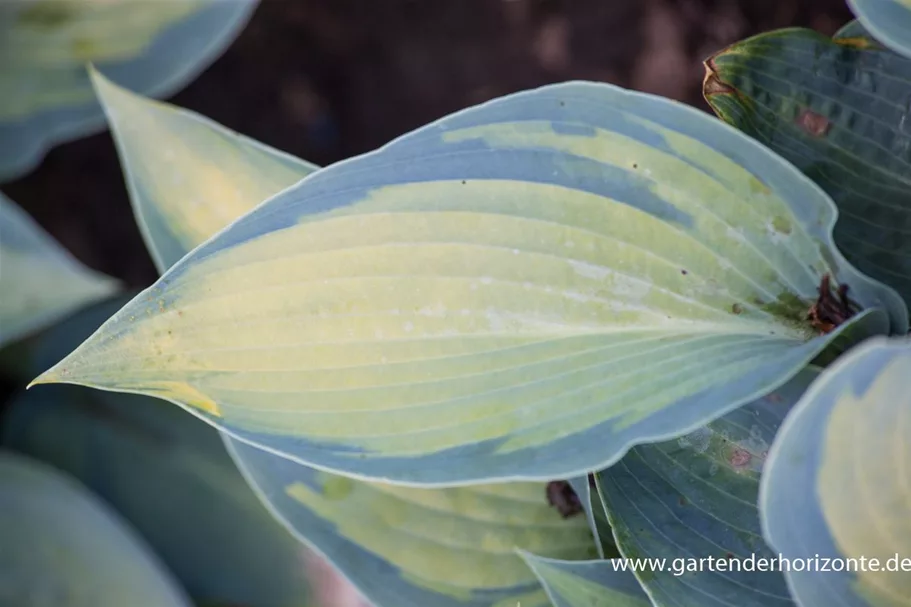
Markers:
188,176
840,113
148,46
63,546
888,20
405,547
696,497
837,484
587,583
519,291
167,473
40,282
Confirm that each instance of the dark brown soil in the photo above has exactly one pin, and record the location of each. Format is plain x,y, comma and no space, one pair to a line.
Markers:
327,79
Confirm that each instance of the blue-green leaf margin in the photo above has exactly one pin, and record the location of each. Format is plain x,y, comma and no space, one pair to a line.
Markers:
789,503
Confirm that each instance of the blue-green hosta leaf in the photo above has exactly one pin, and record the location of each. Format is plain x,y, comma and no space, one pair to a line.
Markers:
188,176
596,516
151,136
838,110
148,46
837,484
40,282
520,291
167,473
404,547
586,583
684,501
63,546
888,20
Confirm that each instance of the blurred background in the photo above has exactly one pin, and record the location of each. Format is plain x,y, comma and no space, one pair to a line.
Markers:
328,79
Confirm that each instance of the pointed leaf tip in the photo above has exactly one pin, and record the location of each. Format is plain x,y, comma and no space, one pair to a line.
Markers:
188,177
41,282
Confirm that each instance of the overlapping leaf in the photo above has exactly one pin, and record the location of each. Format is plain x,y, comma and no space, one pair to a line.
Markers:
188,176
63,546
40,282
855,34
149,46
167,473
472,534
888,20
839,110
519,291
596,515
587,583
683,502
410,547
836,493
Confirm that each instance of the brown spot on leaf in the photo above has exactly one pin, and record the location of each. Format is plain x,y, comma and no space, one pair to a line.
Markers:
740,458
711,83
831,309
561,496
813,123
737,309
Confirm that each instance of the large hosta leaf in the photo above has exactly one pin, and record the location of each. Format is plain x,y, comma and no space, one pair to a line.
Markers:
146,45
836,493
839,111
188,176
684,501
63,546
167,473
519,291
40,282
215,164
403,546
587,583
888,20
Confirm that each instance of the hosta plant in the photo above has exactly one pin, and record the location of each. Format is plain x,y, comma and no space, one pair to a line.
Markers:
151,46
574,346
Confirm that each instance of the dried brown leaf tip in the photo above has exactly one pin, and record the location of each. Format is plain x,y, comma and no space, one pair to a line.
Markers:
815,124
711,81
832,308
561,496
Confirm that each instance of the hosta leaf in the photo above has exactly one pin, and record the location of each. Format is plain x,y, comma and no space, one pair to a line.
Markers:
681,502
167,473
148,46
596,516
63,546
188,176
403,546
336,532
520,291
837,485
888,20
587,583
840,113
40,282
